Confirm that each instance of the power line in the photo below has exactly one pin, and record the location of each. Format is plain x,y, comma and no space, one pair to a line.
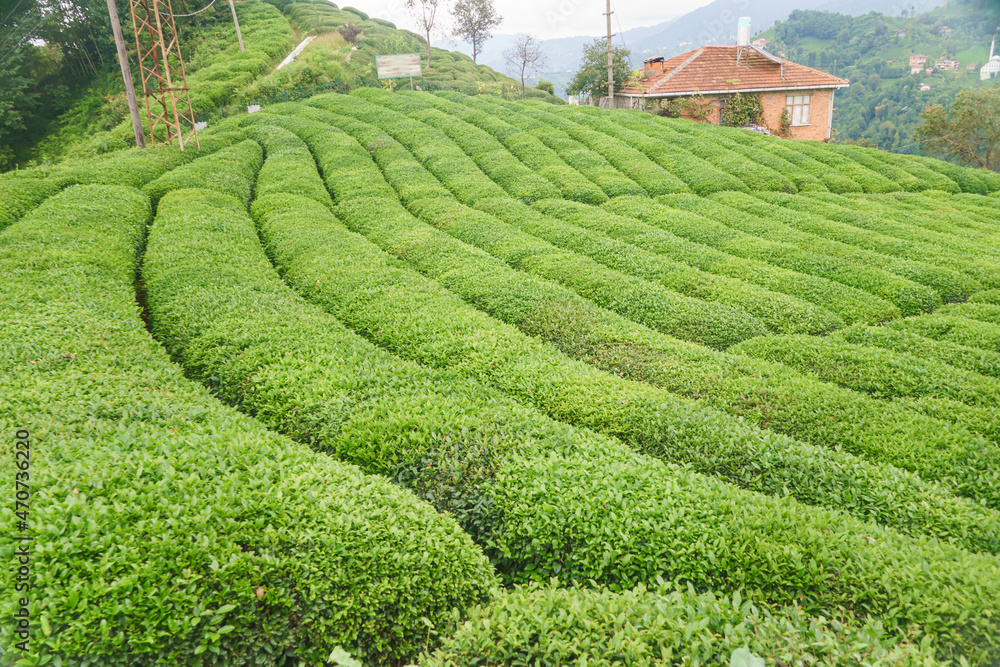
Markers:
180,16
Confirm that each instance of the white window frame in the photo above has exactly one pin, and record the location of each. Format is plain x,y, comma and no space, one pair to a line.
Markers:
799,108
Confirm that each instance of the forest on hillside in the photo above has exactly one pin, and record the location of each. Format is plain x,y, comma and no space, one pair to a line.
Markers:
882,106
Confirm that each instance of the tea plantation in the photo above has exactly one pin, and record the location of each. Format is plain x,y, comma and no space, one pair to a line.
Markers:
423,378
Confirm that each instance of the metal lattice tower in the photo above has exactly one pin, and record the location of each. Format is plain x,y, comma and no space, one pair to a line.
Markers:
161,67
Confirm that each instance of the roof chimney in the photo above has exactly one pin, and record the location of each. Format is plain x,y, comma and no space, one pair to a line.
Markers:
743,32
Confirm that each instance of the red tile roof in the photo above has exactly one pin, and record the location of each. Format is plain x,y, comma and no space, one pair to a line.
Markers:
713,69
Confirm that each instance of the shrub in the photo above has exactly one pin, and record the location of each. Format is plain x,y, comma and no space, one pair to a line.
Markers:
230,170
170,529
954,354
869,180
350,33
989,296
544,624
954,329
850,304
20,195
706,221
985,312
779,312
798,221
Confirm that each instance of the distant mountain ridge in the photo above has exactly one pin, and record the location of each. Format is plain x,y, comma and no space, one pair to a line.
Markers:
715,23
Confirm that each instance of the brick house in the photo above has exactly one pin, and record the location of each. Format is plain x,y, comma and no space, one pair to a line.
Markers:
712,74
917,63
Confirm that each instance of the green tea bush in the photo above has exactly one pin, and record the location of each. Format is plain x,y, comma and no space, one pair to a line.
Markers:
168,528
989,296
712,324
953,354
545,624
489,154
927,178
289,164
791,219
852,305
701,173
808,174
686,216
759,171
230,170
20,195
587,162
977,310
619,346
880,235
873,160
880,372
953,329
869,180
526,147
779,312
653,178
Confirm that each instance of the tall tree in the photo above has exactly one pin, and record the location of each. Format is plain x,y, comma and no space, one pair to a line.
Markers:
425,12
474,21
968,131
526,57
592,77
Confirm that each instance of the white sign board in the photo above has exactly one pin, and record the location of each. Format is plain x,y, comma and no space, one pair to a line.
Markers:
398,66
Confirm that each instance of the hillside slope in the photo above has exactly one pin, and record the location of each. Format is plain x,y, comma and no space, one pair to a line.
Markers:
368,365
883,104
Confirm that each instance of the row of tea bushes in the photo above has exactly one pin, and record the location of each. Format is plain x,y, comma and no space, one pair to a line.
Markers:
168,528
229,170
211,232
979,309
543,624
953,354
526,487
634,164
777,219
589,163
686,217
525,146
877,371
607,342
902,242
711,324
780,312
20,195
952,329
488,153
989,296
848,303
712,165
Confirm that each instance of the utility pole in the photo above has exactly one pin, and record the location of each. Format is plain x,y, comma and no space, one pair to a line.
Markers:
239,34
611,71
133,106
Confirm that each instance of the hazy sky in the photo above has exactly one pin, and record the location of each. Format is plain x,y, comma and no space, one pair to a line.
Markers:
548,18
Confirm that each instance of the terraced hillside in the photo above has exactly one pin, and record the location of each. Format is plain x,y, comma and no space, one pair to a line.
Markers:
448,379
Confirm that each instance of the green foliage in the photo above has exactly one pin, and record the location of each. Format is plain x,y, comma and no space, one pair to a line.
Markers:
545,624
474,21
229,170
741,109
18,196
968,130
214,537
592,77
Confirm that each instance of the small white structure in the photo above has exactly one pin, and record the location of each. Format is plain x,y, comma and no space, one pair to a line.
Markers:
201,125
253,108
992,66
924,87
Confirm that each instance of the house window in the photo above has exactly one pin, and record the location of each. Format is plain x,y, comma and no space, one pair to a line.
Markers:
798,108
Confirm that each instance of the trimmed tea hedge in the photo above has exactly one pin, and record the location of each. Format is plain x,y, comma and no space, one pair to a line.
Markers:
229,170
781,313
525,146
587,162
544,624
851,304
168,528
20,195
954,354
770,217
869,180
954,329
686,216
977,310
989,296
880,372
284,171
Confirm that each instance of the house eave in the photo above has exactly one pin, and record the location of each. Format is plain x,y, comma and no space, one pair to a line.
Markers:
734,90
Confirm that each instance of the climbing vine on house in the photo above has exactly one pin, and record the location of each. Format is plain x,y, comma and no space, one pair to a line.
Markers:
741,109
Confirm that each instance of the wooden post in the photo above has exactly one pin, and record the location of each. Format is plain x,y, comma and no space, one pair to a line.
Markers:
133,105
239,34
611,71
